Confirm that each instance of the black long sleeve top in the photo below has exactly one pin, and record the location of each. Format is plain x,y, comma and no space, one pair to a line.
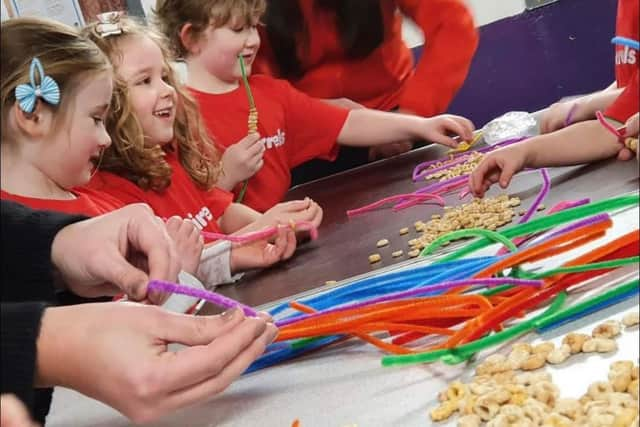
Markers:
27,288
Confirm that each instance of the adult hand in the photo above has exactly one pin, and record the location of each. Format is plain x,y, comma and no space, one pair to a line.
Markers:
116,252
13,413
241,161
117,353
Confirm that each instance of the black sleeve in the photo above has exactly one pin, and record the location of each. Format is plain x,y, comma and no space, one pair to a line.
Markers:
20,329
27,236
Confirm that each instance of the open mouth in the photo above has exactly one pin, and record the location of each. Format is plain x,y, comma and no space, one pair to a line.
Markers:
164,113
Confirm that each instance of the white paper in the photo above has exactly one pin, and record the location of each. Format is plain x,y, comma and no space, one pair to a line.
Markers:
66,11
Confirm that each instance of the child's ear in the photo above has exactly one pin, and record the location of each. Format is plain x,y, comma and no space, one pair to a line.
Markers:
188,39
35,124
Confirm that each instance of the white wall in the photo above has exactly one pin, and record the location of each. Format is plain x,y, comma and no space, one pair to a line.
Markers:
484,12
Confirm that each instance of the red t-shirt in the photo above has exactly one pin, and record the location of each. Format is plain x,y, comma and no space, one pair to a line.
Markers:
627,65
294,127
182,197
87,202
386,78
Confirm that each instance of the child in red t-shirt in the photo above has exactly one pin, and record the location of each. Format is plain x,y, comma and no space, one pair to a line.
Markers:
293,127
53,118
564,143
55,103
161,156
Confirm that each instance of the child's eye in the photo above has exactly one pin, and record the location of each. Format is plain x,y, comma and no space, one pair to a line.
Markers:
98,120
145,81
165,77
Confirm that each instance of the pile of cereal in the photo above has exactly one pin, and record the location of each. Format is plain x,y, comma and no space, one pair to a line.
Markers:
499,396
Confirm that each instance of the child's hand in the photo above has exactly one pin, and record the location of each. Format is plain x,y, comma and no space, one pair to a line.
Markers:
263,254
498,166
631,131
297,210
241,161
560,114
631,127
437,128
188,242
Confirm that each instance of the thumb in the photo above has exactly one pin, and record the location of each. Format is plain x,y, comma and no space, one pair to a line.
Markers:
115,269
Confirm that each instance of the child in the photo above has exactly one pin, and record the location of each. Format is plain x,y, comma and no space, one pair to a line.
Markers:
294,127
63,125
160,154
582,142
56,92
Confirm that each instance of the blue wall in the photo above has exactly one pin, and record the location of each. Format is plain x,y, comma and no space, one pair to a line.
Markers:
531,60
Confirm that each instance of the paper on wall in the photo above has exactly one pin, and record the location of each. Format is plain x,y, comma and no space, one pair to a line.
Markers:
66,11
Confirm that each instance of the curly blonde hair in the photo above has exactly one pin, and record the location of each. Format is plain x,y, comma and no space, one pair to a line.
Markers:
65,55
172,15
127,156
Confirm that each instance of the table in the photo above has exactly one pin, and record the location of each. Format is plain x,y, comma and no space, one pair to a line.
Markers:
346,384
343,246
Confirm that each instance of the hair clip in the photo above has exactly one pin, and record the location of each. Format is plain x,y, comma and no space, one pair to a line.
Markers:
109,24
28,93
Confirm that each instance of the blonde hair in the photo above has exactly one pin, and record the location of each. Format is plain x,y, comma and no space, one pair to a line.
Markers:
65,55
172,15
127,156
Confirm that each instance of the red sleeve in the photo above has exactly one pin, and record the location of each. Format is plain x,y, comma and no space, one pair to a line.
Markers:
119,188
627,104
312,126
218,200
451,39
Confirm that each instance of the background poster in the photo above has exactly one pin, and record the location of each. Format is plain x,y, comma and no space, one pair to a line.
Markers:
66,11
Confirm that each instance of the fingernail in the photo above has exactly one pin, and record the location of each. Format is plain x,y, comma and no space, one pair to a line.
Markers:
228,315
272,333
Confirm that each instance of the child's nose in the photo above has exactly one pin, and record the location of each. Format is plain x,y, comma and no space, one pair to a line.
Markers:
105,140
254,39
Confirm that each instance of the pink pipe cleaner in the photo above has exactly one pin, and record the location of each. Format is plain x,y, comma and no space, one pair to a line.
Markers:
263,234
608,126
417,198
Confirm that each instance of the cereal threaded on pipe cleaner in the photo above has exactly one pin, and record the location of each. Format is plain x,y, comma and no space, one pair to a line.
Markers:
252,122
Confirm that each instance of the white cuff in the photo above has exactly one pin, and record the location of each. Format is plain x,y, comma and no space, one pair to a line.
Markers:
215,265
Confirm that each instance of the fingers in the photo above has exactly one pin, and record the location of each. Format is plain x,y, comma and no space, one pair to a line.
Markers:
196,364
508,170
146,235
197,330
14,413
478,179
632,126
219,379
249,140
625,154
291,244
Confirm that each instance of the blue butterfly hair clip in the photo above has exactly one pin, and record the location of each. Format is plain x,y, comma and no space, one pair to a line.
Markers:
28,93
